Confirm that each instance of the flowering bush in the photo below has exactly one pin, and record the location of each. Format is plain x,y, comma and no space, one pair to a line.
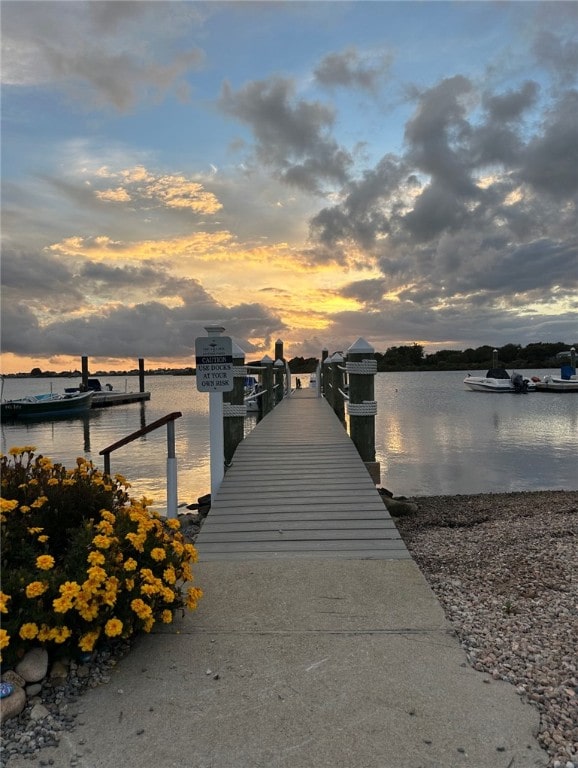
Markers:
82,562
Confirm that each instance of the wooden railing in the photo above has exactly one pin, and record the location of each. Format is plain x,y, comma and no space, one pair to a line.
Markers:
169,420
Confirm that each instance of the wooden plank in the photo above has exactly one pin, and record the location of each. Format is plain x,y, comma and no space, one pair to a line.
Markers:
303,546
288,523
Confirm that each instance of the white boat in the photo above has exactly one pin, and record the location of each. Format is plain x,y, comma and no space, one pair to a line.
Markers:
313,380
499,380
566,382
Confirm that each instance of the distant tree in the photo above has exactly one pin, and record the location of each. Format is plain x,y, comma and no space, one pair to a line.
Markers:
36,372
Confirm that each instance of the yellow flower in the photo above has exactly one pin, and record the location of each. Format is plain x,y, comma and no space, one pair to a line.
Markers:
33,482
24,509
4,602
169,575
142,610
148,589
88,640
130,564
105,527
173,523
45,562
89,612
96,574
44,633
108,516
192,552
193,596
167,616
28,631
7,505
129,585
4,639
158,554
62,604
178,548
43,539
36,588
186,572
149,624
137,540
113,628
168,595
35,530
40,502
61,634
96,558
52,481
102,542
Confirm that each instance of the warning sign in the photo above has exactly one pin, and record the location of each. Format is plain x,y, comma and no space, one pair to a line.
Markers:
214,363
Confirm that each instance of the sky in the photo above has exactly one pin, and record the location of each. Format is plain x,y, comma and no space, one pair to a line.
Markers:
316,172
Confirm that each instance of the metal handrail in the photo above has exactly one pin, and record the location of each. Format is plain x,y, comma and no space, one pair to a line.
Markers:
169,420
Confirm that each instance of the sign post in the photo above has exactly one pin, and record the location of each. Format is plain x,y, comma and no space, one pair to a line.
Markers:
214,374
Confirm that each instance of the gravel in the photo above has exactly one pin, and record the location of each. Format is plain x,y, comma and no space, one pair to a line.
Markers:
505,569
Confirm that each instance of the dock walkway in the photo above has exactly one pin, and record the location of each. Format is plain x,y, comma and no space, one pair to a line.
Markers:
318,642
298,488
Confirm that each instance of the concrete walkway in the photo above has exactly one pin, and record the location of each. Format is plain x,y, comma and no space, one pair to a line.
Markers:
302,662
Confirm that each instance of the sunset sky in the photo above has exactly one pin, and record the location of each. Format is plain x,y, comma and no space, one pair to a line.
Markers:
316,172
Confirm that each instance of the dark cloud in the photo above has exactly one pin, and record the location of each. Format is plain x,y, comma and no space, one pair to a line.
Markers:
292,135
551,159
558,54
352,70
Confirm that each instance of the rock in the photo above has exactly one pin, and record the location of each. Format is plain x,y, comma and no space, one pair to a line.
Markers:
11,677
34,665
399,508
38,712
58,673
12,705
33,689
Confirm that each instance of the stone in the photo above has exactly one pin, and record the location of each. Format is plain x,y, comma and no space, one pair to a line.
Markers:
34,665
38,712
12,705
58,673
398,508
33,689
11,677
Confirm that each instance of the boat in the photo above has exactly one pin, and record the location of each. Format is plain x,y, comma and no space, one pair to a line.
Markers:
47,406
251,399
106,396
566,382
499,380
313,380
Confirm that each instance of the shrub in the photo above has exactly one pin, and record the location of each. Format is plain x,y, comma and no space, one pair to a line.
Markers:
82,562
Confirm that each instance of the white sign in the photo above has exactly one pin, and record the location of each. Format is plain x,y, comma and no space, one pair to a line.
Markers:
214,363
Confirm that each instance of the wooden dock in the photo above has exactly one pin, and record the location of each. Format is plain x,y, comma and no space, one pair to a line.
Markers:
297,488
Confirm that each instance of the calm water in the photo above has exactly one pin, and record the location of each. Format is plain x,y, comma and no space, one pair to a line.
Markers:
432,436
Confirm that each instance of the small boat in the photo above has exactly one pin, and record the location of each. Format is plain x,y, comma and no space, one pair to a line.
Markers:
252,389
566,382
499,380
47,406
313,380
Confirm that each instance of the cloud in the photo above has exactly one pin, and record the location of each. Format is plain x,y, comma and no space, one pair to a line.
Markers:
352,70
559,55
292,135
97,51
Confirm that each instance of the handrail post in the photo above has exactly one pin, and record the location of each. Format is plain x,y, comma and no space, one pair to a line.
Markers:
324,371
171,471
338,384
279,368
234,408
267,397
361,367
328,381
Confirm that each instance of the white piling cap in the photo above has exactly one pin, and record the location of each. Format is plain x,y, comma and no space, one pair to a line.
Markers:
237,351
360,346
266,359
279,363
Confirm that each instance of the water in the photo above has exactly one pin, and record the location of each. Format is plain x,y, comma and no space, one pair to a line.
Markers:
432,436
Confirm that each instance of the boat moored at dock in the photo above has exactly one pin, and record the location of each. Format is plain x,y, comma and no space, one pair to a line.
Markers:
47,406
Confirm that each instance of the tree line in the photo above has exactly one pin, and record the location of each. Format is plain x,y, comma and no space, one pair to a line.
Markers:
413,358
